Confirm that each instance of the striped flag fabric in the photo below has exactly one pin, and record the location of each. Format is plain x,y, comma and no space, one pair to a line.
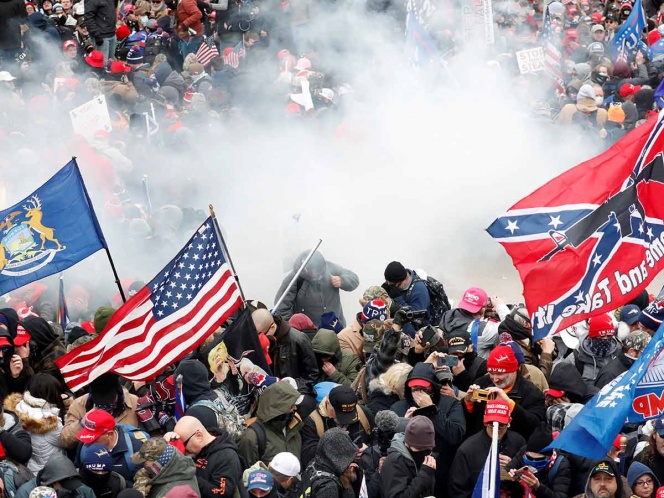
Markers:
207,51
233,55
488,482
552,56
168,318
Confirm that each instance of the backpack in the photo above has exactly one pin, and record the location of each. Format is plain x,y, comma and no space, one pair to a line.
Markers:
261,437
13,475
359,386
228,417
438,301
153,47
307,482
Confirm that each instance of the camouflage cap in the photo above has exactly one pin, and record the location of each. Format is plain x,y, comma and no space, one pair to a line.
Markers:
373,331
637,340
375,292
151,450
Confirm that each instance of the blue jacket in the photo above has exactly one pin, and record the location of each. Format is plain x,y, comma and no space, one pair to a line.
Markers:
417,300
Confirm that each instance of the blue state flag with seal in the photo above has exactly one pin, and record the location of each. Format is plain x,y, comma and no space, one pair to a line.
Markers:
49,231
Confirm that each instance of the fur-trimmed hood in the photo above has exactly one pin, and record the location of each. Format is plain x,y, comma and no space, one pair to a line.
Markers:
36,414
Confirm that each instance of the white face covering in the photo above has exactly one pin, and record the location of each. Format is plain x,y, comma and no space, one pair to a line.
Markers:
144,20
599,100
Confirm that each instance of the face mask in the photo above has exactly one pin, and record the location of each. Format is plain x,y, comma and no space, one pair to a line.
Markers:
599,100
601,78
109,408
152,469
538,464
144,20
419,456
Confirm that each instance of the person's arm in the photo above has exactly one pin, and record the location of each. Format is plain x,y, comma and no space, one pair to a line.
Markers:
349,280
91,20
450,422
308,366
309,442
351,370
17,445
531,413
459,478
72,425
396,481
194,14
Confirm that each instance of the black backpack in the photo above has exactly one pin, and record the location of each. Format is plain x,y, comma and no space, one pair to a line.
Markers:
153,47
438,301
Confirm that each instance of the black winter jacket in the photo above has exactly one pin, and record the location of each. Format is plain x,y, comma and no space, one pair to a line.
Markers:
449,421
100,18
196,387
471,456
12,15
611,370
293,356
400,477
219,467
529,409
559,488
475,367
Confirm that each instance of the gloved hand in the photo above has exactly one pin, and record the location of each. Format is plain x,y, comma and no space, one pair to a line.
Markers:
400,317
191,31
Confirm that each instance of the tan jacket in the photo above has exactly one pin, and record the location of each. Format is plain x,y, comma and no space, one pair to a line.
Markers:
588,105
351,339
77,412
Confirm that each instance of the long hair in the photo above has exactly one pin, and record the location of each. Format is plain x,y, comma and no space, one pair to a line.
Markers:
48,388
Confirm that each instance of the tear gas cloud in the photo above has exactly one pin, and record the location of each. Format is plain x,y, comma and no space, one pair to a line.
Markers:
428,158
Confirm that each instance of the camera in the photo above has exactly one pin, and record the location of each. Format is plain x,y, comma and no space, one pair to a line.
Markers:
481,395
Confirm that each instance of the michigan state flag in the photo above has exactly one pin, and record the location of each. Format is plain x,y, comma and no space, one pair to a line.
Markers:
49,231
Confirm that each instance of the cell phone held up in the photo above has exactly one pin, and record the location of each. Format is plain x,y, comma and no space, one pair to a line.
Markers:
482,395
448,361
428,335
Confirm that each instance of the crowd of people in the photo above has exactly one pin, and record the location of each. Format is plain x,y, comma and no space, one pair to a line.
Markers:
398,400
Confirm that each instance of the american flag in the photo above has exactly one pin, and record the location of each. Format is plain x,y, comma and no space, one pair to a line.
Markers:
232,57
552,56
169,317
207,51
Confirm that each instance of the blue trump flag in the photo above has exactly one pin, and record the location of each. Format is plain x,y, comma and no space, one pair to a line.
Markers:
488,482
49,231
632,397
627,39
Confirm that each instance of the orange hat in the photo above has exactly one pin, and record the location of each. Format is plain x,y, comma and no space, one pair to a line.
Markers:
616,114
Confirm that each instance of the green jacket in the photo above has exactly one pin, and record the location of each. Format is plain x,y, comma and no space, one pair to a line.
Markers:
275,401
180,470
326,343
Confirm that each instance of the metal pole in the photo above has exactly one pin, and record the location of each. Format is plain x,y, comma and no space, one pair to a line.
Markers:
146,192
494,457
295,277
227,255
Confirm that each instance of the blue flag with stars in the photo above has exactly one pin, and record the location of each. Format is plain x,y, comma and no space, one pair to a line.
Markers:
628,38
49,231
630,398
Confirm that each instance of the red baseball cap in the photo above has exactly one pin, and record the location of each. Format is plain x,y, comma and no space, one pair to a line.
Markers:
497,411
95,423
420,383
660,492
22,336
119,67
473,300
628,89
554,393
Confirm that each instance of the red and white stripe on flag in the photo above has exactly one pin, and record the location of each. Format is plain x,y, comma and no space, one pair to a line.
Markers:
164,321
206,52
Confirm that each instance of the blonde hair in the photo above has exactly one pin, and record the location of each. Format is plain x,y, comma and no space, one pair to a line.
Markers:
392,381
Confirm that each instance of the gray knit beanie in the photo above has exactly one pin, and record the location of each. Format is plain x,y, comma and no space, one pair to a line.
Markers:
337,449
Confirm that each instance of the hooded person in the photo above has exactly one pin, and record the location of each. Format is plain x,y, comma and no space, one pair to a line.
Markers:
604,481
566,386
106,393
212,408
504,378
316,290
277,425
424,391
584,112
597,349
335,364
333,471
58,473
96,471
410,469
642,480
471,455
549,472
633,345
303,323
164,468
45,346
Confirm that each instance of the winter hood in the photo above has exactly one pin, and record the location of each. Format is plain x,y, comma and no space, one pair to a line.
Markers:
36,414
195,383
636,470
614,469
326,342
276,400
56,469
455,321
424,371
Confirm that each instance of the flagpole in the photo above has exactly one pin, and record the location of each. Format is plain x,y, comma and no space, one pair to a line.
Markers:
295,277
227,255
492,466
108,252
